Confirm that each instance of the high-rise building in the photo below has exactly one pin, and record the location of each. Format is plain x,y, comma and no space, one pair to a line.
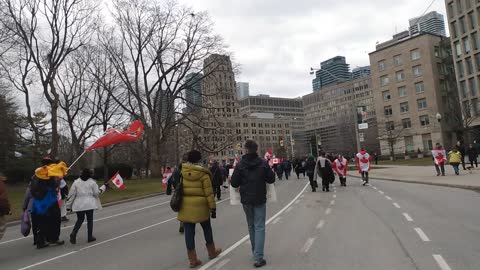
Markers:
360,72
243,90
432,22
334,70
193,92
464,24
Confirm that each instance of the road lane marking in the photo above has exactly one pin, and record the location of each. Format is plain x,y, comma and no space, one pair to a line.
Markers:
422,235
381,192
276,220
328,211
374,188
388,198
320,224
408,217
332,202
95,220
441,262
308,245
222,264
396,205
334,195
246,237
49,260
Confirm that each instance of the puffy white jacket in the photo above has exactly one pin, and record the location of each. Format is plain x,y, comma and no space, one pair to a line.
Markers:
84,195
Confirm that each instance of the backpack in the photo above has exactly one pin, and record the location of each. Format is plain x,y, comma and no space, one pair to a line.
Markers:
38,188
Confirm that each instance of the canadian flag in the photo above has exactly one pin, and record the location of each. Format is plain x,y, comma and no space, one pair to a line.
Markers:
117,180
166,175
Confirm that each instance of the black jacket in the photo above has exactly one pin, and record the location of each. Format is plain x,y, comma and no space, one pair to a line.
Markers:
217,179
251,175
174,179
472,153
310,166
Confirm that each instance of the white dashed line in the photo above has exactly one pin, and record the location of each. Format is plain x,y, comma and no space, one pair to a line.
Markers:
381,192
375,188
328,211
408,217
422,235
396,205
275,221
388,198
441,262
221,264
332,202
334,195
308,245
320,224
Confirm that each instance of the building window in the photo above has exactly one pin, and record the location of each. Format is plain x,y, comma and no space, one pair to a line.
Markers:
397,60
409,145
415,54
458,49
422,104
453,27
389,125
472,84
402,91
403,107
436,51
400,75
469,63
471,20
467,108
462,25
382,65
417,71
475,108
468,5
461,71
388,110
406,123
463,89
477,61
384,80
466,45
475,40
419,87
386,95
424,120
451,10
427,142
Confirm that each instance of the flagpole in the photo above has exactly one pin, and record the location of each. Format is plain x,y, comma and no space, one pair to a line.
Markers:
76,160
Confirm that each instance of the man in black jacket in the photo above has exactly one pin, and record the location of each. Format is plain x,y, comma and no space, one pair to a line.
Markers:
172,183
217,179
252,175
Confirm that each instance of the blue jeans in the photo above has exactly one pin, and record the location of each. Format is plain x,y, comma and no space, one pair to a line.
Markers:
190,233
455,168
256,228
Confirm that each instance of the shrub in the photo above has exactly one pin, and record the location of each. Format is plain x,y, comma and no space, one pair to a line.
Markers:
125,171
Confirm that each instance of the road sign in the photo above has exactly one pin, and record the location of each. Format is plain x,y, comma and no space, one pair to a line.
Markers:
361,137
363,126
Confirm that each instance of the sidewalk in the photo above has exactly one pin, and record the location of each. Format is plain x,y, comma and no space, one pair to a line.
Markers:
426,175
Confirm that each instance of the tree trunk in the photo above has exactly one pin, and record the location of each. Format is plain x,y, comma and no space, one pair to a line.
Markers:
105,164
55,136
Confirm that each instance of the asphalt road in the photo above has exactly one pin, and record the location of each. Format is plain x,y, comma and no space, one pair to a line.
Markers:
388,225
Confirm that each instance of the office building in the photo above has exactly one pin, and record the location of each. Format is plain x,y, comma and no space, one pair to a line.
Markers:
243,90
334,70
360,72
193,92
432,22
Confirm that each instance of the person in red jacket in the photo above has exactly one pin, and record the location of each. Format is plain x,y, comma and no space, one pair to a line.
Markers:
363,164
340,166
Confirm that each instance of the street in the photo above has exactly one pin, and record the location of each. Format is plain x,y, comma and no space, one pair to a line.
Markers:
388,225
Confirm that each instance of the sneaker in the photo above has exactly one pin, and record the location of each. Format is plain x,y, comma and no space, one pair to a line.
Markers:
73,239
64,219
260,263
364,183
42,245
92,239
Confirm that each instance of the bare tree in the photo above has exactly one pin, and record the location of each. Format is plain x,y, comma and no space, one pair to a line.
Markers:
391,133
46,32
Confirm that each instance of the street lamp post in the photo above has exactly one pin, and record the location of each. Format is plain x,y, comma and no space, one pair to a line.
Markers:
439,119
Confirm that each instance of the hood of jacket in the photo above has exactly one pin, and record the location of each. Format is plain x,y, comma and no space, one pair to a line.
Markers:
194,172
251,160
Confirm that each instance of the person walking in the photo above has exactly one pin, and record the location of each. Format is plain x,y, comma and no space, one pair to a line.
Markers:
340,166
455,158
4,206
439,156
324,169
298,169
173,182
252,175
217,179
310,170
472,155
287,168
84,200
462,150
362,159
279,170
198,204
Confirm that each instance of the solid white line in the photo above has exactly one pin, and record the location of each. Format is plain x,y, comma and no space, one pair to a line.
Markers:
332,202
246,237
422,235
308,245
98,219
441,262
408,217
328,211
222,264
381,192
334,195
396,205
49,260
276,220
320,224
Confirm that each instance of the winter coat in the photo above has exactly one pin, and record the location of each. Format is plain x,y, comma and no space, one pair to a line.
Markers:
251,175
198,200
454,157
84,195
472,154
310,167
287,166
217,179
324,169
4,203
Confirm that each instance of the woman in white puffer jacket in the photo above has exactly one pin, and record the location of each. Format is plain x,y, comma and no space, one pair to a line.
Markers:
83,200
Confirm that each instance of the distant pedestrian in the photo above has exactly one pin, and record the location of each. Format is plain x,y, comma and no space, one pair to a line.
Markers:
340,166
375,157
217,179
198,204
287,168
461,148
455,158
83,200
310,170
4,206
439,156
324,169
298,169
362,159
279,170
472,155
252,175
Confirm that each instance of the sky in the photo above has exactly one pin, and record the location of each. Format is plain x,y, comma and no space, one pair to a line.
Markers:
275,42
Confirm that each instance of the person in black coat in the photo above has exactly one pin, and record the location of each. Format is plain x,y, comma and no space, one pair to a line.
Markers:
287,168
324,169
310,170
217,179
472,155
173,182
461,148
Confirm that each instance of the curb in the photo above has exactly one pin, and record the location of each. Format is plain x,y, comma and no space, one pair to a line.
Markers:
477,188
17,222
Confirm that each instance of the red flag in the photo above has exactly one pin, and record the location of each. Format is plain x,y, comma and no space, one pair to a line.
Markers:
166,175
116,136
117,180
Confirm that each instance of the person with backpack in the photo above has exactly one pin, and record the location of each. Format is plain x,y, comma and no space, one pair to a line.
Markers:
252,175
310,170
324,169
4,206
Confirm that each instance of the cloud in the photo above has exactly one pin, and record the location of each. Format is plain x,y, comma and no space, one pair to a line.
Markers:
277,41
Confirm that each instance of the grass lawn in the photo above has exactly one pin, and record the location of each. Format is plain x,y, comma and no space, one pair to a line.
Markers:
426,161
133,188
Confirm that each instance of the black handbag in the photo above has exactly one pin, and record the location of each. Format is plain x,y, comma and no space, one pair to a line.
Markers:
176,200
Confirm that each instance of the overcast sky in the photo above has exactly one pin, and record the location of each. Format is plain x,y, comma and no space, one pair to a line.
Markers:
277,41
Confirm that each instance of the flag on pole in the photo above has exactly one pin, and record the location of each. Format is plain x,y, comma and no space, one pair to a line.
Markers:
116,136
117,180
